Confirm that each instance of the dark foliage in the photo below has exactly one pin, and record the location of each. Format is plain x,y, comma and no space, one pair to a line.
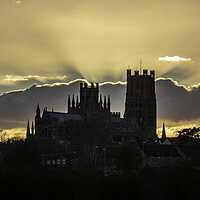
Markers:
63,184
21,154
189,135
128,158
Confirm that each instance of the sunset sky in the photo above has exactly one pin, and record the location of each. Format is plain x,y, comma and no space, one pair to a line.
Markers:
57,41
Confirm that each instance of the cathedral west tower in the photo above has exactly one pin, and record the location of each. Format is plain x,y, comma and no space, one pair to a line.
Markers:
140,106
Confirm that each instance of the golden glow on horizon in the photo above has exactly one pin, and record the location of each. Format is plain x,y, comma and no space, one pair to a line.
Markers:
170,131
17,133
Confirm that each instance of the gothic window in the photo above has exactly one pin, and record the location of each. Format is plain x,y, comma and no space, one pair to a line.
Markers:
171,158
151,158
48,162
64,161
58,161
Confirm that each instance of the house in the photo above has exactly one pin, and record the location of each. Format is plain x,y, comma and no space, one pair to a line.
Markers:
58,160
191,153
155,155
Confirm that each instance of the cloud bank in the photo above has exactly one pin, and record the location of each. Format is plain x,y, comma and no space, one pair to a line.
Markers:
175,103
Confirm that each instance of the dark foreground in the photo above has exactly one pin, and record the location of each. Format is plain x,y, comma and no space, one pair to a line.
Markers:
22,176
40,183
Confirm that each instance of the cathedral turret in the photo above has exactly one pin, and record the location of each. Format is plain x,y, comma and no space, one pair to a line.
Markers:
32,129
77,103
38,110
128,73
109,103
45,110
73,102
37,120
100,101
28,134
69,103
97,86
105,106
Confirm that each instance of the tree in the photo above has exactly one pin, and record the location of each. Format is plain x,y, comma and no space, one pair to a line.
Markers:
3,136
21,154
189,135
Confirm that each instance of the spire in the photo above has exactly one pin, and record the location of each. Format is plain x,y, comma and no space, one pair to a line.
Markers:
73,102
38,110
105,102
128,73
69,103
100,101
163,132
28,130
77,102
109,103
32,129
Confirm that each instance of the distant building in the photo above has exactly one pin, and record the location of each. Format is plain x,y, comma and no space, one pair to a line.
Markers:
157,156
140,106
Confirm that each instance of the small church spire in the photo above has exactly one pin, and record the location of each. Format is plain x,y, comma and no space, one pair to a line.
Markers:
163,132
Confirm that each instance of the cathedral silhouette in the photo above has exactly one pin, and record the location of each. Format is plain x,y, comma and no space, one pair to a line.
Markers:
139,120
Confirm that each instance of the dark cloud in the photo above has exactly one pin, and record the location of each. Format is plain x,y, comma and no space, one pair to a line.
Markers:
177,103
178,73
182,72
174,102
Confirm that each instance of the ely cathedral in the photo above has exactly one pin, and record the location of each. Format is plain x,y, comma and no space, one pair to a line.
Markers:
139,121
